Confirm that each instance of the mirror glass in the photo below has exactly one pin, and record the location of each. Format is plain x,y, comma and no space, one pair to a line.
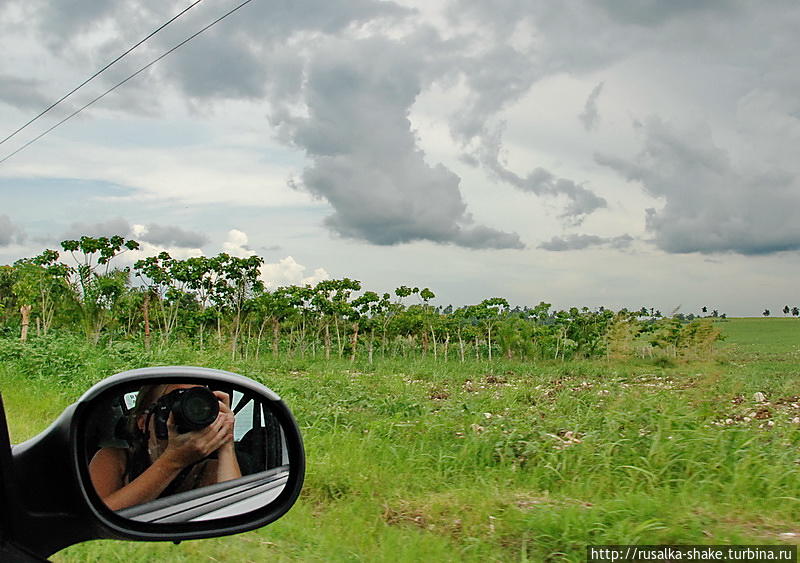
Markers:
185,452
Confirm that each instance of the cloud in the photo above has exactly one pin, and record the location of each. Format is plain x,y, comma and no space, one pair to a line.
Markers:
112,227
589,117
257,58
22,93
652,13
339,79
495,77
581,242
60,22
237,244
288,272
541,182
169,235
161,236
9,232
711,204
366,162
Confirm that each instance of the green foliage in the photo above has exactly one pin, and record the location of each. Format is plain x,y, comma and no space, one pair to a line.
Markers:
198,298
410,459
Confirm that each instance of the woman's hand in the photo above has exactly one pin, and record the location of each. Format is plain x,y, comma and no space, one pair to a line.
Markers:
227,464
186,448
226,412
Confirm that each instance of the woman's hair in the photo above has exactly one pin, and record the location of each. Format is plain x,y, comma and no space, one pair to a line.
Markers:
148,394
138,454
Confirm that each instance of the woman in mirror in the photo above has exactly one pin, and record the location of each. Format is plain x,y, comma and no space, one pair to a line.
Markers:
150,467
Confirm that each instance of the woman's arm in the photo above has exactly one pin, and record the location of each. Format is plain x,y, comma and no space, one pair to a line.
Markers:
107,468
227,464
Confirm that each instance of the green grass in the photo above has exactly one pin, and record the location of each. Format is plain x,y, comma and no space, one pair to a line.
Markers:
763,336
411,461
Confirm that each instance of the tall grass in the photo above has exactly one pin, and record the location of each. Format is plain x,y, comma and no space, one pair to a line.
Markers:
506,461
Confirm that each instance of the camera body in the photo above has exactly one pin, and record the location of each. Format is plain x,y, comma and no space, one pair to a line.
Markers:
192,409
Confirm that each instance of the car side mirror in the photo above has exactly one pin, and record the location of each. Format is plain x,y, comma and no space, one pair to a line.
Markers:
164,453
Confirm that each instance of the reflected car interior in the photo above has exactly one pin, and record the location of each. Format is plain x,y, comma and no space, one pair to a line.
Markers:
261,452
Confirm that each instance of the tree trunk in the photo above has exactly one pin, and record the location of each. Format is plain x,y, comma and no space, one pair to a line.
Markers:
354,343
260,333
146,315
490,343
371,341
237,328
276,336
248,340
25,310
339,344
446,345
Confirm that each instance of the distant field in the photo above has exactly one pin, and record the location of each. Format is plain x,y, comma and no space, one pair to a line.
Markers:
762,336
506,461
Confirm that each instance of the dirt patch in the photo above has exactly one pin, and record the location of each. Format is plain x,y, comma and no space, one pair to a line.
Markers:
530,502
403,514
393,517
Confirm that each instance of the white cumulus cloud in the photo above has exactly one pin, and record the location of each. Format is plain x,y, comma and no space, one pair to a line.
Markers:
288,272
236,244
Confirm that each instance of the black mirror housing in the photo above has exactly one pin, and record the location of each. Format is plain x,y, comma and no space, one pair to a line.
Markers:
53,502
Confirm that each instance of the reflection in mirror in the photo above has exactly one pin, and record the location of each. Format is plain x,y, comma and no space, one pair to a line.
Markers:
178,452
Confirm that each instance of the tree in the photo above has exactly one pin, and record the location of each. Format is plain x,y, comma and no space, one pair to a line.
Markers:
489,312
40,283
786,310
766,313
165,279
97,289
795,311
240,284
431,317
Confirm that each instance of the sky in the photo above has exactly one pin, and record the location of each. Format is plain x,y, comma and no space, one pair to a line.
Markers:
616,153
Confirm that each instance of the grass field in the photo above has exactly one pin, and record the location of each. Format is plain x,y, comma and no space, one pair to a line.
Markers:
506,461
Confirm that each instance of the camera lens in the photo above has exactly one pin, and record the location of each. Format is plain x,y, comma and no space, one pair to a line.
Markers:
198,407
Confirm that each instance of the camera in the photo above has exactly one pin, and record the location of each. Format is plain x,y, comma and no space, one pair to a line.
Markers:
193,408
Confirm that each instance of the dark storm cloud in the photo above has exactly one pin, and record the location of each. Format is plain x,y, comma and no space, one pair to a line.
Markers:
339,79
655,12
162,235
112,227
495,77
63,21
358,93
248,55
9,232
219,66
580,242
582,201
589,116
168,235
366,162
711,205
22,93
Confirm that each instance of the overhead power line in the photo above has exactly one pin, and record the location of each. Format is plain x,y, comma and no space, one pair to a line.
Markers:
102,70
141,70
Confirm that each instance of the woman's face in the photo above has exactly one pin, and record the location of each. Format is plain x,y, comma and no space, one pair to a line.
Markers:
155,446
